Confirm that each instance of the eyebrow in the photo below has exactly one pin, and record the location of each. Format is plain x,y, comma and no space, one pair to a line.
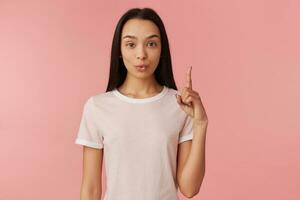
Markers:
133,37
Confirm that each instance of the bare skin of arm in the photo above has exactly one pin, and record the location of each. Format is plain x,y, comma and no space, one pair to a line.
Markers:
183,153
191,163
91,186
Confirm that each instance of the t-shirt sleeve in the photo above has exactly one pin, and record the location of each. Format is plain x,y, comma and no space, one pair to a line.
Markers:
88,133
187,131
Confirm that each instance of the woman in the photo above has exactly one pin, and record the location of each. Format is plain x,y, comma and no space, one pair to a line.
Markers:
152,139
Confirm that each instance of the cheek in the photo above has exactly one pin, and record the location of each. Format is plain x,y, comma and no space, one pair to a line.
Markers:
156,58
124,51
127,56
155,54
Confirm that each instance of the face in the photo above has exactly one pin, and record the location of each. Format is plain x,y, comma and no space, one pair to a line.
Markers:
140,45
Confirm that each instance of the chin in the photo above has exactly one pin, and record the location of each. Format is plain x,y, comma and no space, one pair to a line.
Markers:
136,74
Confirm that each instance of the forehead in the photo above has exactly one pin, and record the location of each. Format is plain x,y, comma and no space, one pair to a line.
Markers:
140,28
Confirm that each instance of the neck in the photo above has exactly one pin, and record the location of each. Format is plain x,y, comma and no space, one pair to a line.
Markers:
140,87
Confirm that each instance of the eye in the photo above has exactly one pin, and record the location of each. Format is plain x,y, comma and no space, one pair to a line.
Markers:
130,44
152,44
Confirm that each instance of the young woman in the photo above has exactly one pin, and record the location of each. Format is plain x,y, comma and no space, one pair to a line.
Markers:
152,137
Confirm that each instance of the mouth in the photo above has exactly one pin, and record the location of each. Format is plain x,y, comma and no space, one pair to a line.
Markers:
141,68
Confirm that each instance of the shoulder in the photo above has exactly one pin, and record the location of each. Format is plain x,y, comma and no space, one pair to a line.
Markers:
172,101
97,100
172,91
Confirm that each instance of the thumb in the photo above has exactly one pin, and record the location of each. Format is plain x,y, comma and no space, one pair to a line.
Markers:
179,100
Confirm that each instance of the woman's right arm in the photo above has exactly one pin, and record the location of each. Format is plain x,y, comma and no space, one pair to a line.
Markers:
91,186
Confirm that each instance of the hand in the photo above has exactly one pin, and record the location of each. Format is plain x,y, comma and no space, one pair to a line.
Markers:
190,102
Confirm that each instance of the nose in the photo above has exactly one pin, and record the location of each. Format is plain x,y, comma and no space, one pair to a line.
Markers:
141,53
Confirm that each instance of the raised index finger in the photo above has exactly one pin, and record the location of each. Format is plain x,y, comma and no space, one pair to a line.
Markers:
189,78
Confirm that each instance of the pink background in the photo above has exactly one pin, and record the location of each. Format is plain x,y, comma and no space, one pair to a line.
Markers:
246,67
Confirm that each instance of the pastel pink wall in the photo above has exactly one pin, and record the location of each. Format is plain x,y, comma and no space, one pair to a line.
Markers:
246,67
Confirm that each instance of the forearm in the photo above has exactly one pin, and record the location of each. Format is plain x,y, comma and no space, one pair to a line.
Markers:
194,168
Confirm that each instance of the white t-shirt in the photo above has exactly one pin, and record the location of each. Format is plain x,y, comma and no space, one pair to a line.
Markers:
140,138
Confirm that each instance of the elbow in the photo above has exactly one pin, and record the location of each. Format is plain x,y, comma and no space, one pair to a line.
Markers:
190,194
88,194
188,190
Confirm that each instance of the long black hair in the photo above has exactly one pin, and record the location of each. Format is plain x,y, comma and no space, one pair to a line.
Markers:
163,72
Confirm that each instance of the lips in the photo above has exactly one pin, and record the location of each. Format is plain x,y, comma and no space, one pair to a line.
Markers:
141,68
141,65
